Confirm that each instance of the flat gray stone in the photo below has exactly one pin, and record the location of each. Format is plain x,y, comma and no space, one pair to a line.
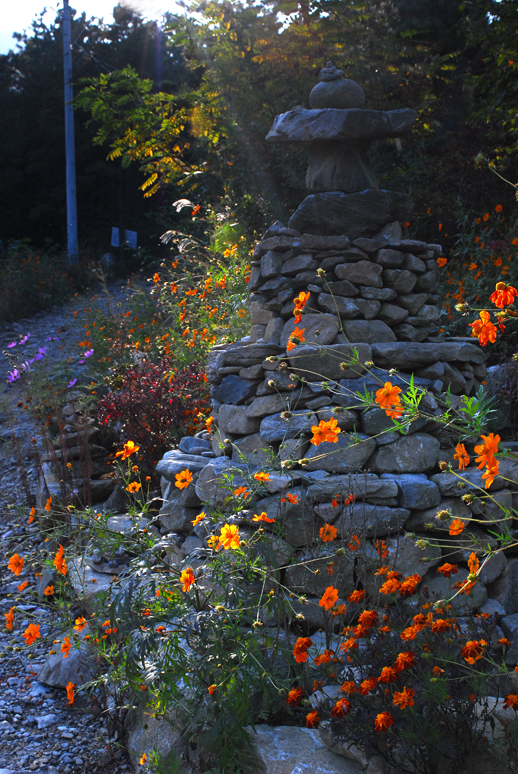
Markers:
410,454
190,445
271,263
361,273
379,294
368,331
416,491
403,355
338,167
450,485
314,363
444,588
400,280
413,302
354,214
236,420
253,448
218,479
371,382
292,750
276,402
390,259
318,329
346,308
341,457
249,354
277,427
300,525
425,520
173,462
342,288
303,580
300,262
301,125
363,486
79,667
372,520
233,389
392,314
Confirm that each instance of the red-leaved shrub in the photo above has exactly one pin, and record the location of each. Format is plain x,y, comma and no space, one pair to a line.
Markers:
155,405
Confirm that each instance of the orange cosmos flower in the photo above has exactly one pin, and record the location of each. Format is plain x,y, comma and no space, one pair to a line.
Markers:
198,518
183,479
404,698
65,647
133,487
388,398
367,686
487,450
356,596
291,498
9,619
80,624
448,569
368,618
296,337
240,490
473,563
409,585
313,719
59,561
473,650
441,262
328,533
262,476
390,586
32,633
503,295
31,515
329,598
16,564
156,277
263,517
300,650
490,473
354,543
438,671
187,578
441,625
300,302
325,432
456,527
484,329
128,449
388,675
324,658
348,687
461,455
295,696
383,721
229,536
211,689
70,692
511,702
48,504
410,633
405,660
503,641
23,586
341,708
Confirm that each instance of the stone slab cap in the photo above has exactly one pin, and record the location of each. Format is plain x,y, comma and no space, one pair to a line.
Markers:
355,214
350,126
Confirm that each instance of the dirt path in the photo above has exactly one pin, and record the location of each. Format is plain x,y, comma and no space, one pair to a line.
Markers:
39,731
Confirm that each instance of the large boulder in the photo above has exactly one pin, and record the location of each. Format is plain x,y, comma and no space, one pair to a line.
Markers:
409,454
349,453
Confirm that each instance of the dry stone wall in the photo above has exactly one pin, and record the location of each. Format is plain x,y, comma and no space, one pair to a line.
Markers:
372,309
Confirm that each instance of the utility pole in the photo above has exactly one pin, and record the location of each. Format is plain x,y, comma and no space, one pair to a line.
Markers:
69,138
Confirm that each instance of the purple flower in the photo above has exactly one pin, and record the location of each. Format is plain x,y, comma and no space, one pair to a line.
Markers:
71,383
25,338
88,353
13,375
11,345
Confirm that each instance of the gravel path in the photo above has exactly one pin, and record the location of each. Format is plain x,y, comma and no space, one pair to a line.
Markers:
39,731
